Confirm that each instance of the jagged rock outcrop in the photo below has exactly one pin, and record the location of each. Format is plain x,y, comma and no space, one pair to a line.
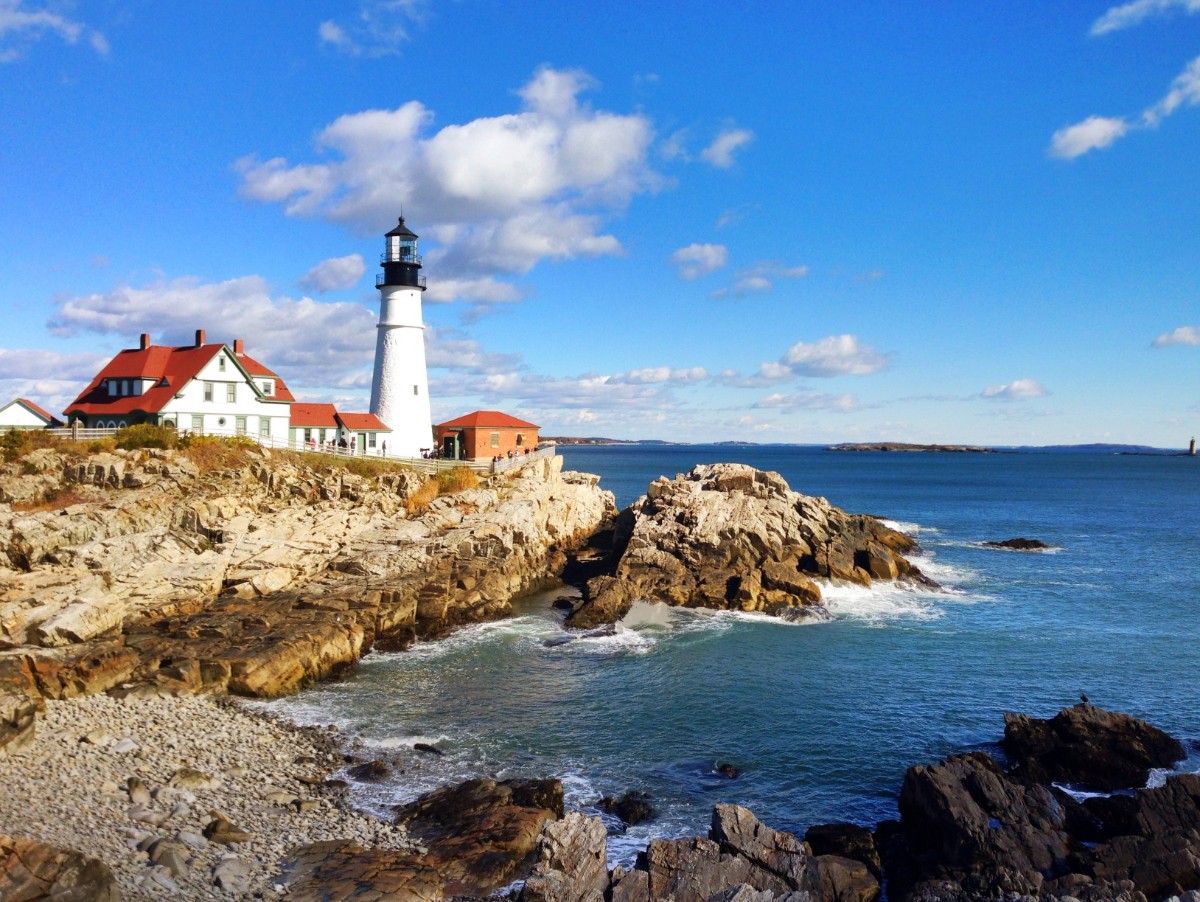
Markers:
970,831
572,862
1088,746
729,536
261,579
34,870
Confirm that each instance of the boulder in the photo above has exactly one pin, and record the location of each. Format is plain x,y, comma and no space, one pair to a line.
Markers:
17,715
34,870
481,835
1088,747
846,841
728,536
342,869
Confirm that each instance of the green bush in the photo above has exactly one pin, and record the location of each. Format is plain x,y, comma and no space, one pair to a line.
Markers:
146,435
15,444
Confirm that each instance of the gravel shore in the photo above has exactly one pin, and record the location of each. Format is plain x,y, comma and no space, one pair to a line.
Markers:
136,779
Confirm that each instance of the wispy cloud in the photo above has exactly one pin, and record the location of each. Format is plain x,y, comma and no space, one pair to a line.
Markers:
380,28
808,401
1184,335
1097,132
22,25
1017,390
334,274
722,149
1129,14
1092,133
759,278
658,375
698,260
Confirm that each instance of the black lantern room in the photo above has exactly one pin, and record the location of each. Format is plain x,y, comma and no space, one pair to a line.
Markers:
400,260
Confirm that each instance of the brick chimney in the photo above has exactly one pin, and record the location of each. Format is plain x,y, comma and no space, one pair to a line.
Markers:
239,347
145,340
199,338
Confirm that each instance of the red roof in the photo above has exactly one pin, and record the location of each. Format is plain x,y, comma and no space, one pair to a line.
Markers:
486,418
362,422
49,418
170,368
318,415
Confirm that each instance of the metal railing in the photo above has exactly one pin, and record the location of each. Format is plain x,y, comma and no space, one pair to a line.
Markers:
422,464
381,280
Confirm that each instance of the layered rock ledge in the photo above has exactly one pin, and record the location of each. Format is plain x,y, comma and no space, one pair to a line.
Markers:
728,536
255,579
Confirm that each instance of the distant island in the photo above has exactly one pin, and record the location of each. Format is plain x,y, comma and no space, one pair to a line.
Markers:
905,446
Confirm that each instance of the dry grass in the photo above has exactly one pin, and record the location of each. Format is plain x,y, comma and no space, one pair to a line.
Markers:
16,443
458,479
211,453
418,502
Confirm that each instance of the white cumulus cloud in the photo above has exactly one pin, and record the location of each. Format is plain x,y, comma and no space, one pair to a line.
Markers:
837,355
1017,390
720,152
498,194
655,375
335,274
698,260
1184,335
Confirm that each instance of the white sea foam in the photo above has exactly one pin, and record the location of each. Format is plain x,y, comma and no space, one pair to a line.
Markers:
881,602
401,742
909,529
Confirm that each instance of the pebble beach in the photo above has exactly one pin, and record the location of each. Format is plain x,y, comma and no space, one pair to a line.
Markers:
190,797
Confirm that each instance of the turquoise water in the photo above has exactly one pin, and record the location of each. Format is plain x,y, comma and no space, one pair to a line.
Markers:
822,719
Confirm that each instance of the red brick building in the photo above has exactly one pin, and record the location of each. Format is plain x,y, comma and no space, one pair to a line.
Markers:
485,434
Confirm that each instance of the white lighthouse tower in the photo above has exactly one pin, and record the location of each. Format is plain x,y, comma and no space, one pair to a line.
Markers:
400,385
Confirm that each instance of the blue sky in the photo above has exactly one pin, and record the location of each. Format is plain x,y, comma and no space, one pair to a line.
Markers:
797,222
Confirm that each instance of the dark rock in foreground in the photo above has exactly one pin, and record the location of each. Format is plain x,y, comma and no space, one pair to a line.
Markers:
1089,747
728,536
481,835
33,870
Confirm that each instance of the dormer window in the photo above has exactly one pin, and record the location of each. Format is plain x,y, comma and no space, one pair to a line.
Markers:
268,387
112,387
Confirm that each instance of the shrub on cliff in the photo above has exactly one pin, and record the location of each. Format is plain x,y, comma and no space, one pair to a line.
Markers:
146,435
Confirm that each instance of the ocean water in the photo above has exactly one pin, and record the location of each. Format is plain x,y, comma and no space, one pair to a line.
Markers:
821,719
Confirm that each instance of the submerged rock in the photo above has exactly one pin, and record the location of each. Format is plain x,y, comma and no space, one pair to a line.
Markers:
1019,544
632,808
728,536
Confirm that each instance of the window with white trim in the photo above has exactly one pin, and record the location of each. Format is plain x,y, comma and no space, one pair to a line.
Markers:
208,391
231,392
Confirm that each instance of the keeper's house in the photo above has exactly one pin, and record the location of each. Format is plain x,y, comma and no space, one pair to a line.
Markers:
24,414
204,388
485,434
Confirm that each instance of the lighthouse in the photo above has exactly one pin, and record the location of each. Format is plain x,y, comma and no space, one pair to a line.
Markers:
400,385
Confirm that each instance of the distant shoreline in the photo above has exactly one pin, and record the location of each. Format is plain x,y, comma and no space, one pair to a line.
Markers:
1091,448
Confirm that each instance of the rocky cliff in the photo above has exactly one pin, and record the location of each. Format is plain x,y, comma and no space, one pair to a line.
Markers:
729,536
136,570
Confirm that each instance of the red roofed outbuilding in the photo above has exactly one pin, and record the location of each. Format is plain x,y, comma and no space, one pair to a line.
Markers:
485,434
